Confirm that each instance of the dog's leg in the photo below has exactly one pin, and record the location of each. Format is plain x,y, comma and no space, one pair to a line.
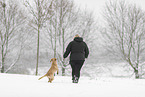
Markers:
50,79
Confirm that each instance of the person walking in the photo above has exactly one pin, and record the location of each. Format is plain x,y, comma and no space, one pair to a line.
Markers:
78,51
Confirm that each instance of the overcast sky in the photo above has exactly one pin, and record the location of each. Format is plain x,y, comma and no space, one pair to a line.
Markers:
97,5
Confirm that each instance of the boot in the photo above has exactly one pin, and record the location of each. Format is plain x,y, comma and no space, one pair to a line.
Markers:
75,79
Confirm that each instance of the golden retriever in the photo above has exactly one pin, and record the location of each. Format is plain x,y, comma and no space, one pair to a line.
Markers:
51,71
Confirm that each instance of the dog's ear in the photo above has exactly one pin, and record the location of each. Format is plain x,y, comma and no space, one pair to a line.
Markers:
55,59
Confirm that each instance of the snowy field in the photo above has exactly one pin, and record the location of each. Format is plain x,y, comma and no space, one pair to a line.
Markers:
12,85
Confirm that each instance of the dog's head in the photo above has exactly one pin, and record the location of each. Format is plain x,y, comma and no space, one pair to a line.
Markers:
53,60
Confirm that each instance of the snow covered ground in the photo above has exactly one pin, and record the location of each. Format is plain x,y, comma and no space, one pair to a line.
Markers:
12,85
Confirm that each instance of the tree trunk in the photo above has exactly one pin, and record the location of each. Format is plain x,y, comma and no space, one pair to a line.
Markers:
2,67
3,50
55,45
136,74
37,54
38,50
63,69
38,37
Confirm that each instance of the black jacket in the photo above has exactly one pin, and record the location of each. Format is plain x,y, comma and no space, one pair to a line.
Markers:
78,49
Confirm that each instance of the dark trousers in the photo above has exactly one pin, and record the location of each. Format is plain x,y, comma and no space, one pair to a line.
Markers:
76,66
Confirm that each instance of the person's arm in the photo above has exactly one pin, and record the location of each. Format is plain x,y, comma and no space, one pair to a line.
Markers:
68,49
86,51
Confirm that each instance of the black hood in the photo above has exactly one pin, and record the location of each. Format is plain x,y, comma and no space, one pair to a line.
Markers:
78,39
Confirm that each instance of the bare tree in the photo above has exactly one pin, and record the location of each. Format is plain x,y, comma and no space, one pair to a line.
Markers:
41,11
11,22
67,21
57,30
125,33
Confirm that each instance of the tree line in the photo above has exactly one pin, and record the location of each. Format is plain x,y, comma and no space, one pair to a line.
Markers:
39,22
32,26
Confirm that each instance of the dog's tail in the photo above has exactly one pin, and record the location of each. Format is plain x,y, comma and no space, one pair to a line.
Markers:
42,77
